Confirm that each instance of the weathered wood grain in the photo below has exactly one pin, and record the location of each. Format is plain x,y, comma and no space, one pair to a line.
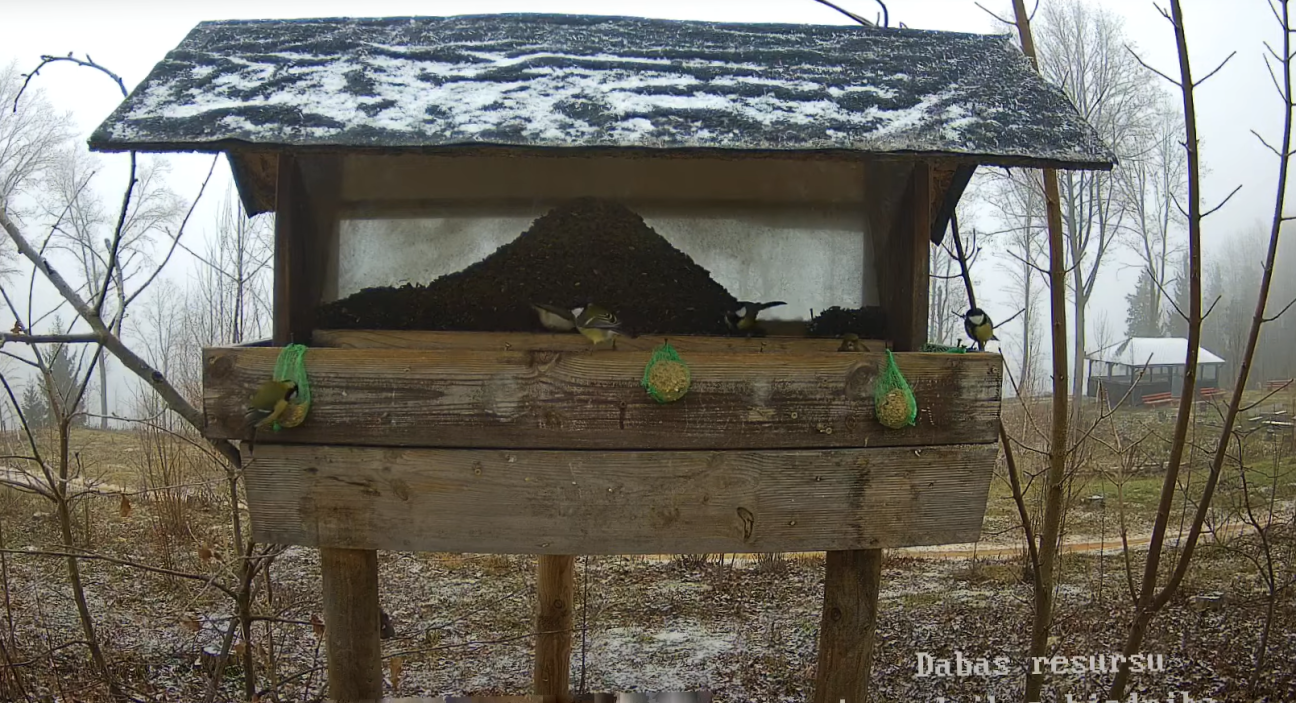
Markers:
352,624
594,400
573,342
848,624
555,589
588,502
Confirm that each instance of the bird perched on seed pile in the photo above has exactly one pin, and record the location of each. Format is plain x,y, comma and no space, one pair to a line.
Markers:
555,318
269,403
979,328
597,324
743,317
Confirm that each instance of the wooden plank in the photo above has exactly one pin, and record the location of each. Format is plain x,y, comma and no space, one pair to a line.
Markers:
555,587
373,179
351,624
586,502
594,399
522,341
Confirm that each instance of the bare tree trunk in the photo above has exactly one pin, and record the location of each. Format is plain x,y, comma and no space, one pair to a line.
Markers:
1149,601
103,390
74,566
1078,357
1043,616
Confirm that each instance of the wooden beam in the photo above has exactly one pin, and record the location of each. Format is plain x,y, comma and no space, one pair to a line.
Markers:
521,341
617,502
555,588
306,225
351,624
554,177
903,271
848,625
595,400
948,184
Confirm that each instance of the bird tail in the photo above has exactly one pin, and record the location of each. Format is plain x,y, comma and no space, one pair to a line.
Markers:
772,304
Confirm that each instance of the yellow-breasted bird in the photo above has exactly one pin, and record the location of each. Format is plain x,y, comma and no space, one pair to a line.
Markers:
269,403
743,317
597,324
555,318
979,328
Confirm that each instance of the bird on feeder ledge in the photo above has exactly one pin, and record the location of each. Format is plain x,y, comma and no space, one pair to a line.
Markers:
555,318
743,317
597,324
269,403
979,328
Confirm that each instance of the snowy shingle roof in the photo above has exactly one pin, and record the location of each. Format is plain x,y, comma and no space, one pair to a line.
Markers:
429,83
1152,351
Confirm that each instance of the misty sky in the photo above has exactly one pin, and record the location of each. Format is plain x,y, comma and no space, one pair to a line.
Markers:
130,36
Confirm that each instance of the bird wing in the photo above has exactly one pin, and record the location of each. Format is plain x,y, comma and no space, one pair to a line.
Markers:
554,309
599,323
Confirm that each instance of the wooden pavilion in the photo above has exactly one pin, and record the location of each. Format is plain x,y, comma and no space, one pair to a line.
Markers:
404,142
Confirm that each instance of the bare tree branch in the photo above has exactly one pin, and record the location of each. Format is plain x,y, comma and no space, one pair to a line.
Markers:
1215,70
1222,202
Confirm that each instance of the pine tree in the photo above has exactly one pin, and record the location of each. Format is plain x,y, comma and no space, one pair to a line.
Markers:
1176,325
1141,316
64,370
34,406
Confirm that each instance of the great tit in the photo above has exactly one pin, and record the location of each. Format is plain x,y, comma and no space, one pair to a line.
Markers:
555,318
743,317
979,328
598,325
269,403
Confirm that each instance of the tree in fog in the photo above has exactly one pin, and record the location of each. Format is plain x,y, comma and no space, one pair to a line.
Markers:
85,230
1083,50
32,134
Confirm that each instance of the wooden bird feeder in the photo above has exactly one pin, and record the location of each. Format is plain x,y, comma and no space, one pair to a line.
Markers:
392,148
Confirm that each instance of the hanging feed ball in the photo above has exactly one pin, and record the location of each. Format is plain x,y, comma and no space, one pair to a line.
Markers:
894,401
291,366
667,377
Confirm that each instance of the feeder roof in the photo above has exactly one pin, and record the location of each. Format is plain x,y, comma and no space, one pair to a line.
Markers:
430,84
1152,351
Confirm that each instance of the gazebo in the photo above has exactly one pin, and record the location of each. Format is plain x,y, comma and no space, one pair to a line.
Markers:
812,164
1149,367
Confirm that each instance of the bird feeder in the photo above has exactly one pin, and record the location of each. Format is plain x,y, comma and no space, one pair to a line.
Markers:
812,164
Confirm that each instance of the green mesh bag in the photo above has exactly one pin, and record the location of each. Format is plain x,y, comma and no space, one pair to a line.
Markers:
944,349
666,377
291,366
893,400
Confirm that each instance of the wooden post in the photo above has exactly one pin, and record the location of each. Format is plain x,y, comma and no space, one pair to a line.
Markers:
305,225
554,595
351,624
853,579
848,625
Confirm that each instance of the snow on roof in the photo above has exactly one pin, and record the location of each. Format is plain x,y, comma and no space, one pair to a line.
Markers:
544,80
1152,351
